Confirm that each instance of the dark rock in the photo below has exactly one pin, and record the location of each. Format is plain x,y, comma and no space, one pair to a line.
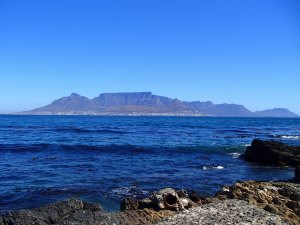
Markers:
77,212
182,193
297,174
129,204
273,153
195,197
293,205
51,213
271,209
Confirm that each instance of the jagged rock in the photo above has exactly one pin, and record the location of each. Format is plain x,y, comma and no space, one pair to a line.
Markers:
281,198
50,214
297,174
273,153
129,204
225,212
77,212
182,193
164,199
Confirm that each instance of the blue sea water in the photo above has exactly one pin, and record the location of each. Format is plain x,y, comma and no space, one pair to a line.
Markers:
104,159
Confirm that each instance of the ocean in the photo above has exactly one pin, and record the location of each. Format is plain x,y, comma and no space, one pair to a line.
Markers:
44,159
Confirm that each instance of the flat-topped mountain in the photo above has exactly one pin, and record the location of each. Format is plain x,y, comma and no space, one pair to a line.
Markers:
145,103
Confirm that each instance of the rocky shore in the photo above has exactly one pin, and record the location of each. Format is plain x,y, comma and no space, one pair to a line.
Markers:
245,202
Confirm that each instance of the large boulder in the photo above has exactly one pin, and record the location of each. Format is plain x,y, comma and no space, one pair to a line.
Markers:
164,199
272,153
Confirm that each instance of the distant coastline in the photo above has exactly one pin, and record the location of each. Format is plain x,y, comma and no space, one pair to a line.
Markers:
148,104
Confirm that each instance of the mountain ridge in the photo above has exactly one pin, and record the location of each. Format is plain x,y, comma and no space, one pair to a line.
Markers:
146,103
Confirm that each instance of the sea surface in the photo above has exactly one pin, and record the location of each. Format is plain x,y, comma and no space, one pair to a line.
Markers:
104,159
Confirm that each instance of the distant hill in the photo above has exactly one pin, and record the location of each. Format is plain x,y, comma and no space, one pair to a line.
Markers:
145,103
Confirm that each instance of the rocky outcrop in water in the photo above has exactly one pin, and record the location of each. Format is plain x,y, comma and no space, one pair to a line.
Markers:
273,153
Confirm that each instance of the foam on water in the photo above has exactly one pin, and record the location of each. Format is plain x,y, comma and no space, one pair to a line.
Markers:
290,136
235,155
212,167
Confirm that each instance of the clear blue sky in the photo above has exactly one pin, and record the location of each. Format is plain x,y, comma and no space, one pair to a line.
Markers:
245,52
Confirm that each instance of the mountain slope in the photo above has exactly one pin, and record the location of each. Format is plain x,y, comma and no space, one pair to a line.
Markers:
74,102
277,112
147,103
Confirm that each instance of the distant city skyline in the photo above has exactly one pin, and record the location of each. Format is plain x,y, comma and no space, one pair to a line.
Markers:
242,52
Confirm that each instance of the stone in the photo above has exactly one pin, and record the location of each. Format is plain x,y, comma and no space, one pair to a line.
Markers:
270,208
182,193
164,199
225,212
280,198
273,153
297,174
77,212
129,204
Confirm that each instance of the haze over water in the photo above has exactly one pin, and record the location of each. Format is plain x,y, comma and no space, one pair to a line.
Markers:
104,159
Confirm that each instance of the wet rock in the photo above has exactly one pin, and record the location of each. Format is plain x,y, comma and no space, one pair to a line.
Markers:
273,153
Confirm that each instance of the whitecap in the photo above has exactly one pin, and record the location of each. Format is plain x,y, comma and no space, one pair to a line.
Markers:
129,191
290,136
212,167
234,155
218,167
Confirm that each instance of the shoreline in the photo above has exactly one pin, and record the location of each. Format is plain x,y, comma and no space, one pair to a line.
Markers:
258,202
245,202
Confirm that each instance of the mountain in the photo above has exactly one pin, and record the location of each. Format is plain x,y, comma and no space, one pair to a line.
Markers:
277,112
145,103
74,102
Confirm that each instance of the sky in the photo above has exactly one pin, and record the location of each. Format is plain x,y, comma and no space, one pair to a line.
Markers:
244,52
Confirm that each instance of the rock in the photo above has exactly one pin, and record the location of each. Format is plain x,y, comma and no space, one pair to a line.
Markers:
225,212
164,199
270,208
77,212
273,153
297,174
50,214
281,198
129,204
144,216
182,193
